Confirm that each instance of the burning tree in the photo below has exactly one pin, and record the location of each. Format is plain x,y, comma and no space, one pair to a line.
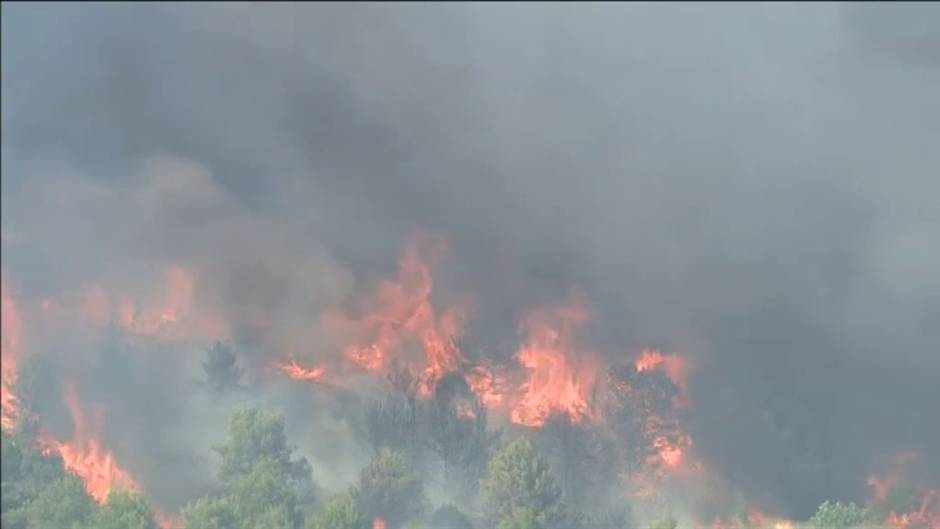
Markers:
391,422
647,420
576,451
457,435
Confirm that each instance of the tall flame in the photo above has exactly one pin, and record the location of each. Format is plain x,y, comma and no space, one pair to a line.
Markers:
85,456
401,325
560,377
175,316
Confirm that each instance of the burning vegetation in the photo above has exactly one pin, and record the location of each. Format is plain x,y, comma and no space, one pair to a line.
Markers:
442,418
459,266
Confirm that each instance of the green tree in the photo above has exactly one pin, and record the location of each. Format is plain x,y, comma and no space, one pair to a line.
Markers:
253,436
209,513
63,504
388,488
273,517
261,484
259,491
521,518
517,477
340,512
25,474
665,523
837,515
450,517
124,511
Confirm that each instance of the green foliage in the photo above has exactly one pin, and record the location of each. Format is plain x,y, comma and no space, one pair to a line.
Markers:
450,517
262,485
63,504
340,512
124,511
273,517
262,489
664,523
255,435
837,515
209,513
519,478
521,518
27,478
389,489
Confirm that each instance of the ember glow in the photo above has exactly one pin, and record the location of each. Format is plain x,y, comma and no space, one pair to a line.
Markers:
295,371
85,456
168,520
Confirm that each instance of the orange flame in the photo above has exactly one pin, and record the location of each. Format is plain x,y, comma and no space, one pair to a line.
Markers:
168,520
402,322
759,519
295,371
927,516
487,386
175,317
560,378
9,355
85,457
177,305
675,367
378,523
668,447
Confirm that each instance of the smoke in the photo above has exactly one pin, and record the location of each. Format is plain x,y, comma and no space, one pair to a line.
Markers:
751,185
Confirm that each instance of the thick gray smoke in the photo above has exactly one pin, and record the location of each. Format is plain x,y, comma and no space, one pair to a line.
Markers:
754,186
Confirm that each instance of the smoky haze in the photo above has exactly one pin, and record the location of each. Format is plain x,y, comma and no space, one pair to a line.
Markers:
752,185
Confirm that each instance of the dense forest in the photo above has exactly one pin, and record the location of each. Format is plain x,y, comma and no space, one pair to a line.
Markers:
550,478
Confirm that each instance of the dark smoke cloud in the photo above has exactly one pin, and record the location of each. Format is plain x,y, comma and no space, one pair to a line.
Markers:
751,185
